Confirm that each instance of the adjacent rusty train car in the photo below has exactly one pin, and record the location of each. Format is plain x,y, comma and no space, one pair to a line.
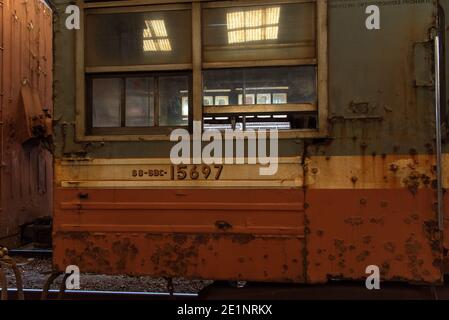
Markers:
25,115
357,97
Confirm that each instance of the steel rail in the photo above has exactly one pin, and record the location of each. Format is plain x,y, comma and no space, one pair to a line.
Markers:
33,253
35,294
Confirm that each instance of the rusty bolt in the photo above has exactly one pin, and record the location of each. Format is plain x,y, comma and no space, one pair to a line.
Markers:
4,252
434,184
394,167
83,195
223,225
435,206
315,170
354,179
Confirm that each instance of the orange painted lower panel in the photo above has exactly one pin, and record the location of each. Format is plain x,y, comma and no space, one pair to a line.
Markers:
250,234
393,229
201,256
446,232
253,235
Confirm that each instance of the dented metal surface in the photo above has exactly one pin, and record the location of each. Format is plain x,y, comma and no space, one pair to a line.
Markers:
182,232
25,108
367,191
193,255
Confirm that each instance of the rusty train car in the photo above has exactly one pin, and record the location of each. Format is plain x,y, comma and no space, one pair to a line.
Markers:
26,82
362,126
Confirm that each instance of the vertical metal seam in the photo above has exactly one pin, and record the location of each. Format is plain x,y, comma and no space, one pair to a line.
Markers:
438,134
2,96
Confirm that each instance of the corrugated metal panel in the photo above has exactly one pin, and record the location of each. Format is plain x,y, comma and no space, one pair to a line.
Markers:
26,59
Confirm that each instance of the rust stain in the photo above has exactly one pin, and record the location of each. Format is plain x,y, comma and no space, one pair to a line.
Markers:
362,256
125,250
390,247
26,105
354,221
192,254
404,254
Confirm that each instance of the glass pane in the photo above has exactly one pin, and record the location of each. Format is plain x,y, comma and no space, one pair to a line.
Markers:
138,38
249,86
106,101
174,101
277,121
139,102
282,31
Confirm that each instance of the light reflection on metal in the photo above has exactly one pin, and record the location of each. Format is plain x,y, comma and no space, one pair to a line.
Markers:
253,25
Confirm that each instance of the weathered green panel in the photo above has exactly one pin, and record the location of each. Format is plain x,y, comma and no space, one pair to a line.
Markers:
378,103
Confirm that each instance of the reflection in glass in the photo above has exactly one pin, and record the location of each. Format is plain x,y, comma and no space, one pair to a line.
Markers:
279,98
255,122
248,86
138,38
249,99
173,104
155,36
208,100
185,107
106,101
254,33
221,100
264,98
139,102
253,25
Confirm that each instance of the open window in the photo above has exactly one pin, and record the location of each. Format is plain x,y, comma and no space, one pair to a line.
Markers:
145,69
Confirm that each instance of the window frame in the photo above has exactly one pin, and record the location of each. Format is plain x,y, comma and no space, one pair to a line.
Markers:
124,130
197,65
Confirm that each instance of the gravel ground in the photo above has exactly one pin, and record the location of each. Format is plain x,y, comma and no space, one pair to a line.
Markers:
36,271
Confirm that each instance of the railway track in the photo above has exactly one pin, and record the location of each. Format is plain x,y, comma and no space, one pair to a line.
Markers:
35,294
31,253
344,291
220,290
